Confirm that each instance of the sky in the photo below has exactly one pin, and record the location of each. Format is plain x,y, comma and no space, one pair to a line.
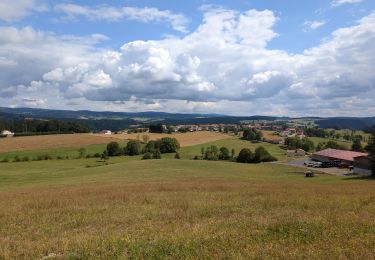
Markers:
260,57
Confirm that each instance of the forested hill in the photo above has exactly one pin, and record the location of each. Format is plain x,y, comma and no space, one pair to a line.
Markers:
119,120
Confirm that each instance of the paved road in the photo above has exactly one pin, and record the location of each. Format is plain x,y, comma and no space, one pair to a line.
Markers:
333,170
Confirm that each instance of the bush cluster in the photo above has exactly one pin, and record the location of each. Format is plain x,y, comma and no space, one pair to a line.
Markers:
298,143
150,149
260,155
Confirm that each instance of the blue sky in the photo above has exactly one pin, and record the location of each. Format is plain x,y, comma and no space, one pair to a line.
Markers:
234,57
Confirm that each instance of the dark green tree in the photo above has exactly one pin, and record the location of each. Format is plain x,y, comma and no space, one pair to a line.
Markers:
169,145
132,148
370,148
224,153
262,155
357,146
211,153
245,156
113,149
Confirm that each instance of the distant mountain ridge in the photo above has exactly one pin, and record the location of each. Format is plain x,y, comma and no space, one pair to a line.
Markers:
97,120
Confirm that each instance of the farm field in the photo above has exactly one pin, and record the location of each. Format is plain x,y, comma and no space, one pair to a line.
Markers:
51,142
181,209
318,140
132,208
185,139
186,152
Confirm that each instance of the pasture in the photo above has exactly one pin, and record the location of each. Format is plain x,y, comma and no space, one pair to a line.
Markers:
132,208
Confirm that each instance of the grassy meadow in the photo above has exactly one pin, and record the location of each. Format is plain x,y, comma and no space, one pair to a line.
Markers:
128,208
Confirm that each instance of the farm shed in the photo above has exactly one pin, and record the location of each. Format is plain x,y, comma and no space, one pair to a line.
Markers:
329,155
6,133
362,165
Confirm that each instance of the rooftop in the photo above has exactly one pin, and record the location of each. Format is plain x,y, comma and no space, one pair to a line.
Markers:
340,154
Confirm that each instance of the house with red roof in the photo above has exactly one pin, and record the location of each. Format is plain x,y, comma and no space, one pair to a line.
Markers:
329,155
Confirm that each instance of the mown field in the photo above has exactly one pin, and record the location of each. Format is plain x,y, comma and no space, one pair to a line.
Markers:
132,208
67,141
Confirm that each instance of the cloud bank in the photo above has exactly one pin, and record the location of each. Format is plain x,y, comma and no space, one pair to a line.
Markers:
224,66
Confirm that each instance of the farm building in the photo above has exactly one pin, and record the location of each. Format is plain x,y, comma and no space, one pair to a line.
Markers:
106,132
6,133
329,155
362,165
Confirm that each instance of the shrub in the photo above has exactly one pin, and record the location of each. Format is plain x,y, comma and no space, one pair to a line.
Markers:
177,156
5,160
151,146
59,158
156,155
47,157
262,155
196,157
169,145
104,156
39,157
25,159
147,156
224,154
252,135
295,143
245,156
97,155
113,149
133,147
334,145
82,152
16,159
211,153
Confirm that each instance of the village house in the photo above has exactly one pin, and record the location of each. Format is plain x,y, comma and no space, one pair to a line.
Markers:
105,132
6,133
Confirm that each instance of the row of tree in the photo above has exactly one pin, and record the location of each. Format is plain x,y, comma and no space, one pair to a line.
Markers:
252,135
135,147
299,143
42,126
213,153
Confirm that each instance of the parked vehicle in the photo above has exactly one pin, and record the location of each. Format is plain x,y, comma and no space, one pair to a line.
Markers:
344,165
317,164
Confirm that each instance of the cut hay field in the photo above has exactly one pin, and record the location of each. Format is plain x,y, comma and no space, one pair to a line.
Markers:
181,209
185,139
26,143
53,142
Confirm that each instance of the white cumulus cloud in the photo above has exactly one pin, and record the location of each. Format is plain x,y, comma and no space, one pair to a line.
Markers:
14,10
115,14
223,66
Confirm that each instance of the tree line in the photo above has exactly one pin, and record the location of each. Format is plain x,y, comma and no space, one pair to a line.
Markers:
29,126
150,150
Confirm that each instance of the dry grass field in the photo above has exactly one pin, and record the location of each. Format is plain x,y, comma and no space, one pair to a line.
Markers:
185,139
26,143
269,135
81,140
128,208
182,209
